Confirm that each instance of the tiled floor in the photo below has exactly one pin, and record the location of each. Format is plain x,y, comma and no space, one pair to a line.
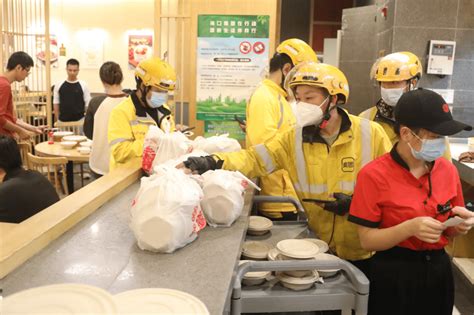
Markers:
77,178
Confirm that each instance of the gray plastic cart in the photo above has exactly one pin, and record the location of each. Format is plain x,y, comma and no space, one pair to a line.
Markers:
346,291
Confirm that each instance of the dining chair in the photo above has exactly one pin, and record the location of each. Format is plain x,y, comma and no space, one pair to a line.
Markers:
54,168
74,126
25,148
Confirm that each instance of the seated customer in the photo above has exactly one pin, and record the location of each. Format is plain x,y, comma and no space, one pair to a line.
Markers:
23,193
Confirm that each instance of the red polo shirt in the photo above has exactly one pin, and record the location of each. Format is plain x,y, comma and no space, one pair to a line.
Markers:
387,194
6,105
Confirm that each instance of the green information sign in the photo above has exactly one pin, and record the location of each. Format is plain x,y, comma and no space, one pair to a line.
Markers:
232,59
240,26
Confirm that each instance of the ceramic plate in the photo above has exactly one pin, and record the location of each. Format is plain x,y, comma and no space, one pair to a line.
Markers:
298,280
254,274
327,257
159,301
62,133
258,223
273,254
300,249
322,245
87,143
60,299
255,249
74,138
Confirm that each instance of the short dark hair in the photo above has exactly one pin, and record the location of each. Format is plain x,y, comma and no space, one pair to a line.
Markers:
278,61
10,158
111,73
397,128
19,58
72,62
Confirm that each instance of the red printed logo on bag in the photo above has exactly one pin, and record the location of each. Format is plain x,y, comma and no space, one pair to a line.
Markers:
147,160
244,184
199,221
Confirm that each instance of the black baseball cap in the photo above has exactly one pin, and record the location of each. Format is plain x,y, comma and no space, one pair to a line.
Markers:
428,110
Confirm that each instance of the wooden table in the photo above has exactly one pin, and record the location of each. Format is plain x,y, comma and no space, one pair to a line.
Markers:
72,155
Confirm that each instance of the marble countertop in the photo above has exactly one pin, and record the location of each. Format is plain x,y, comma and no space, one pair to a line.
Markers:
101,251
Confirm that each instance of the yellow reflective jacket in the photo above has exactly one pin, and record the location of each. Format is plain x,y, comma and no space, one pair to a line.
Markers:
388,126
268,113
317,171
128,126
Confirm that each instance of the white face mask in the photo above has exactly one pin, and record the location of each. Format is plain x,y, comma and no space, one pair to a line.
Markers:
309,114
391,96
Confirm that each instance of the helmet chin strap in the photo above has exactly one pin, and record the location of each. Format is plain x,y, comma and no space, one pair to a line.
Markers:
283,77
144,92
326,117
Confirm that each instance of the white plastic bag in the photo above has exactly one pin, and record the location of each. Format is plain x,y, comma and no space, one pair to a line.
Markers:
150,147
166,213
223,196
182,158
171,146
216,144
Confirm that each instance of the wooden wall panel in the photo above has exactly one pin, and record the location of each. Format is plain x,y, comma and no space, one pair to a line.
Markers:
185,34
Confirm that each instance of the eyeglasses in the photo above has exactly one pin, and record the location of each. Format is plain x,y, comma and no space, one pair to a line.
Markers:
28,70
423,140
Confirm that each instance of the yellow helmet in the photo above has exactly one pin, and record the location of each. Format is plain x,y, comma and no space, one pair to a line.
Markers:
320,75
399,66
156,72
298,51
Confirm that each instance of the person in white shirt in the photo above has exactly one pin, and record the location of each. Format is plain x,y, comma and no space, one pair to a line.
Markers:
98,113
71,96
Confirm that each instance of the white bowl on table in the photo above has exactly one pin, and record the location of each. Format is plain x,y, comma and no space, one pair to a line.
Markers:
86,144
76,138
67,144
58,135
84,150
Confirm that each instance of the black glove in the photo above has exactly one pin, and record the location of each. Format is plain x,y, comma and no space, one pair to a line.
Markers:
202,164
340,206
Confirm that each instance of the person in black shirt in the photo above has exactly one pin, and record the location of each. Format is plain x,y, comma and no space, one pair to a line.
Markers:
71,96
23,193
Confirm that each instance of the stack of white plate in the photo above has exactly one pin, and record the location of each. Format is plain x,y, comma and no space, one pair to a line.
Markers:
327,257
297,249
60,299
254,250
158,301
298,283
254,277
86,299
259,225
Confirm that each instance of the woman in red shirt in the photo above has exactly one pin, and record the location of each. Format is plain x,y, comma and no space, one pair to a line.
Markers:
401,203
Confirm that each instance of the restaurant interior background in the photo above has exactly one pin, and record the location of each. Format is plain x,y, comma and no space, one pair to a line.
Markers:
350,34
